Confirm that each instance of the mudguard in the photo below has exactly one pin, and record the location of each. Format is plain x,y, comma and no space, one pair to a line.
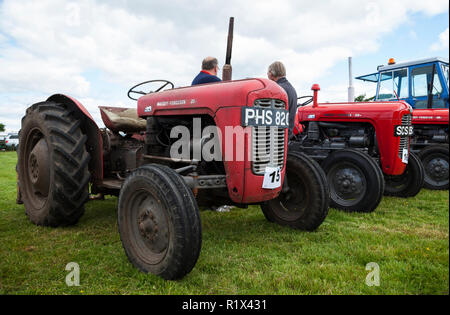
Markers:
94,143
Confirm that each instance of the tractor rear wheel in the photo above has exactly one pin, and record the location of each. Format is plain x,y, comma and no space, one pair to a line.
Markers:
52,165
159,222
409,183
435,162
304,205
356,182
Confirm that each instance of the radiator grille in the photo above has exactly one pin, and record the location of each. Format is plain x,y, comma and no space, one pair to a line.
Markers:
267,142
404,140
269,102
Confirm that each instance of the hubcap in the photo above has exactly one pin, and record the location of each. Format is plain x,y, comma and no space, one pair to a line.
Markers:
347,184
437,170
38,168
153,229
149,226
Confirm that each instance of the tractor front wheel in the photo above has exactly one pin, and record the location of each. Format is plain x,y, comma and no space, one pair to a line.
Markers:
52,165
159,222
304,205
435,163
409,183
355,181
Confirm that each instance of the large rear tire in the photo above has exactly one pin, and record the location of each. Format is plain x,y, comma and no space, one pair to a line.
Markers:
305,204
356,182
159,222
409,183
52,165
435,162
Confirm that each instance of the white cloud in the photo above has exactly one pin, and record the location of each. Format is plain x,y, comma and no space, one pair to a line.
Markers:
442,43
52,46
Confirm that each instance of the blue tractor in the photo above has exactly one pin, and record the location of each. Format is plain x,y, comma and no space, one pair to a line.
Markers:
424,84
418,82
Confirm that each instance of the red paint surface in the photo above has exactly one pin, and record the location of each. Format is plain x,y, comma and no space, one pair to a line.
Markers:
431,116
382,115
223,102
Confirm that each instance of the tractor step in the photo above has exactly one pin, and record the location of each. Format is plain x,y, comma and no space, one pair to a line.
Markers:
111,184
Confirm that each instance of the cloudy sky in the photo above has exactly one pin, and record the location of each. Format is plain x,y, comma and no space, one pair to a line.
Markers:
95,50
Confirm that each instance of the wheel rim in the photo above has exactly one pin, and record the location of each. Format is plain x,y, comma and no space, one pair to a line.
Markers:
436,170
148,226
348,184
292,203
37,169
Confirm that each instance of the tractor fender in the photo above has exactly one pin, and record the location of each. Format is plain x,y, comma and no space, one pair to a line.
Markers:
94,143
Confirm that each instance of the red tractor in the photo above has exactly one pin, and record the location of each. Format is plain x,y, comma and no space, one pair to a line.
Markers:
64,156
363,149
430,141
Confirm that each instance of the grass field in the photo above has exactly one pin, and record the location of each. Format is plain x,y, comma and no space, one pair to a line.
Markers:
242,253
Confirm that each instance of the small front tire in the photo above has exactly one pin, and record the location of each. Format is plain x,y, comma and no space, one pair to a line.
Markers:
407,184
304,205
355,181
159,222
435,162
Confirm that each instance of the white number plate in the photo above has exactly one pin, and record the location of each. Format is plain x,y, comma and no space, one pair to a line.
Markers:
272,178
405,156
269,117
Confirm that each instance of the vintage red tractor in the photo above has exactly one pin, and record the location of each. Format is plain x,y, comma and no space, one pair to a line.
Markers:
64,156
363,149
430,142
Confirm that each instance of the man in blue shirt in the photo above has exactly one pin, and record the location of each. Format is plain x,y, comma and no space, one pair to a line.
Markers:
209,72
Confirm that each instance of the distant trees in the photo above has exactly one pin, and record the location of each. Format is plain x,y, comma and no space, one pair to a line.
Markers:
2,127
362,98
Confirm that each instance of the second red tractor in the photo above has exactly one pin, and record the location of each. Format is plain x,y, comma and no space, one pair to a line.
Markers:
364,149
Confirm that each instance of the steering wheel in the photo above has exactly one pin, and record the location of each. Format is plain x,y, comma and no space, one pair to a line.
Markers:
309,100
134,89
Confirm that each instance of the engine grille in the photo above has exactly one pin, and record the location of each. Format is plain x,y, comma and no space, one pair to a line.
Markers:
404,140
269,102
267,142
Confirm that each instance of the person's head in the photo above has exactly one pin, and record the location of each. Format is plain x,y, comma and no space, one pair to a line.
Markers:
211,65
276,71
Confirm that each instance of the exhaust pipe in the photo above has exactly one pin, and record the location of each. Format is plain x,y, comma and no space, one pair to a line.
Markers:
227,70
316,89
351,89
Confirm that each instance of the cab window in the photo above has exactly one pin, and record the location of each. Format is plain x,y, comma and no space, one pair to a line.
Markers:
445,72
421,78
385,87
393,85
401,83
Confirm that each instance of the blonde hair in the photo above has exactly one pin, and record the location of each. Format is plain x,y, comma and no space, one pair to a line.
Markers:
277,69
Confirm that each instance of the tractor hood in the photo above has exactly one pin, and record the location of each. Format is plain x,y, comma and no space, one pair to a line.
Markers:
431,116
208,98
364,111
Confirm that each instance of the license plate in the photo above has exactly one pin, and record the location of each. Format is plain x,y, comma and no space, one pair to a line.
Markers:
268,117
405,156
400,131
272,178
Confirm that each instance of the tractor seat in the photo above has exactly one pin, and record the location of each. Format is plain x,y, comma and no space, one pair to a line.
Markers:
122,119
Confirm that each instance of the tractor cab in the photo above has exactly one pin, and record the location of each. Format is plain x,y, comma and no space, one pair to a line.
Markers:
415,82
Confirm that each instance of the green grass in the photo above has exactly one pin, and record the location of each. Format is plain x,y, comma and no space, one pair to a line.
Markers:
242,253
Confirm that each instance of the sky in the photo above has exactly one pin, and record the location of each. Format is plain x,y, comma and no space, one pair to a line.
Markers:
95,50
